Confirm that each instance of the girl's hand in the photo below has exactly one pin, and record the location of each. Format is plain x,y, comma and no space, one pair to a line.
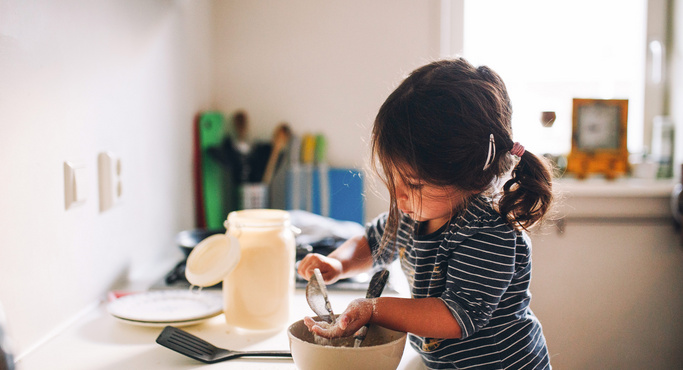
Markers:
358,313
330,268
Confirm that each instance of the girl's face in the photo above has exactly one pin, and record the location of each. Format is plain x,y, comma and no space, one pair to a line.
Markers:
426,202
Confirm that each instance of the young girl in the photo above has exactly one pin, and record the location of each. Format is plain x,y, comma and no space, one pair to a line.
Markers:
443,140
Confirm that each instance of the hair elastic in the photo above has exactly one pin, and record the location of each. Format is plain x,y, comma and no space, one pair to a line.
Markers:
517,150
491,154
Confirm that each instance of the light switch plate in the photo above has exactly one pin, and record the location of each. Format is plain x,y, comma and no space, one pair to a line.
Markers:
75,178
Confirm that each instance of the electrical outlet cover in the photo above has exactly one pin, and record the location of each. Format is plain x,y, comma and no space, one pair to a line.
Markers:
111,188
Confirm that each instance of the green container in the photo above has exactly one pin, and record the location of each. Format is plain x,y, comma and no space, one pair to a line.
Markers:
216,181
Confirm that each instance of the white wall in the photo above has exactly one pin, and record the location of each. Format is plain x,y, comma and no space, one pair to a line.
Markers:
323,66
79,77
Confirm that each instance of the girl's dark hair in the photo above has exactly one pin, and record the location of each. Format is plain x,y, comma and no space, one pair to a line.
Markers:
436,126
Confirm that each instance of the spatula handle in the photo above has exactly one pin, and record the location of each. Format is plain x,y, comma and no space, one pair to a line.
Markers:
264,354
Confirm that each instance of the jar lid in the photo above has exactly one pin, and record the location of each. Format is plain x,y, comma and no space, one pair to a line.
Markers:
212,260
257,218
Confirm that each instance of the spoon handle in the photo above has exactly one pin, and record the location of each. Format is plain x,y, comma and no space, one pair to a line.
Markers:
377,283
323,290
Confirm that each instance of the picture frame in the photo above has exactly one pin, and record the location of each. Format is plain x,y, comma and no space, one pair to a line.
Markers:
599,133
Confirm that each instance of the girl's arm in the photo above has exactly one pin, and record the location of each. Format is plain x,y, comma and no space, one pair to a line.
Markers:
426,317
350,258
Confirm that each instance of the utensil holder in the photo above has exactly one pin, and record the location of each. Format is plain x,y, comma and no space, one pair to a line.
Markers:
254,196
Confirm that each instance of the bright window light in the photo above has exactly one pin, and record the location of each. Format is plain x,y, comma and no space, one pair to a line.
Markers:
550,51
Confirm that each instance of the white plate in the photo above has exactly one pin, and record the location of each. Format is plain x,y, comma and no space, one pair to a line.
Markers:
167,307
161,324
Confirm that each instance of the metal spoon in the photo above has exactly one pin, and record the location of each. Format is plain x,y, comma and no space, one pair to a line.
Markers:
377,283
316,295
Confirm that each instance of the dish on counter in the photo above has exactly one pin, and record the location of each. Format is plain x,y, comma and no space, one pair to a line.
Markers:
167,307
161,324
381,349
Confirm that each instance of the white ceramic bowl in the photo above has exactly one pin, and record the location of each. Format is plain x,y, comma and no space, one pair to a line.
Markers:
381,349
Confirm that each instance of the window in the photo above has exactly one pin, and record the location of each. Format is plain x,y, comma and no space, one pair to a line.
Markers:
549,52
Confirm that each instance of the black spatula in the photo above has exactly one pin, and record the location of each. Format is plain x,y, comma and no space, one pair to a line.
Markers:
201,350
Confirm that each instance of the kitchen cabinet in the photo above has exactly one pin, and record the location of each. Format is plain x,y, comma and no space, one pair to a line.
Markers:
608,280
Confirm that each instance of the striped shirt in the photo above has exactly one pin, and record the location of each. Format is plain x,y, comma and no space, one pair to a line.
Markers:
481,268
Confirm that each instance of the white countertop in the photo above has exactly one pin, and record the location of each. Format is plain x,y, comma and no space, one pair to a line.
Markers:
97,340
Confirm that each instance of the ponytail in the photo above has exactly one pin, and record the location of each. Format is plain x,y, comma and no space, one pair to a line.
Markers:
527,195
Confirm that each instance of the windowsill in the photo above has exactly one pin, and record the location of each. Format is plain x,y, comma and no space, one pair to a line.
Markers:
598,199
621,187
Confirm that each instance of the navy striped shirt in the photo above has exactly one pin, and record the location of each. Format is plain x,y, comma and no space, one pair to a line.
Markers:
481,268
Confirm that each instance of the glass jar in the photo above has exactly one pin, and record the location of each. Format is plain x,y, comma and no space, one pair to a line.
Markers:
255,261
258,291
